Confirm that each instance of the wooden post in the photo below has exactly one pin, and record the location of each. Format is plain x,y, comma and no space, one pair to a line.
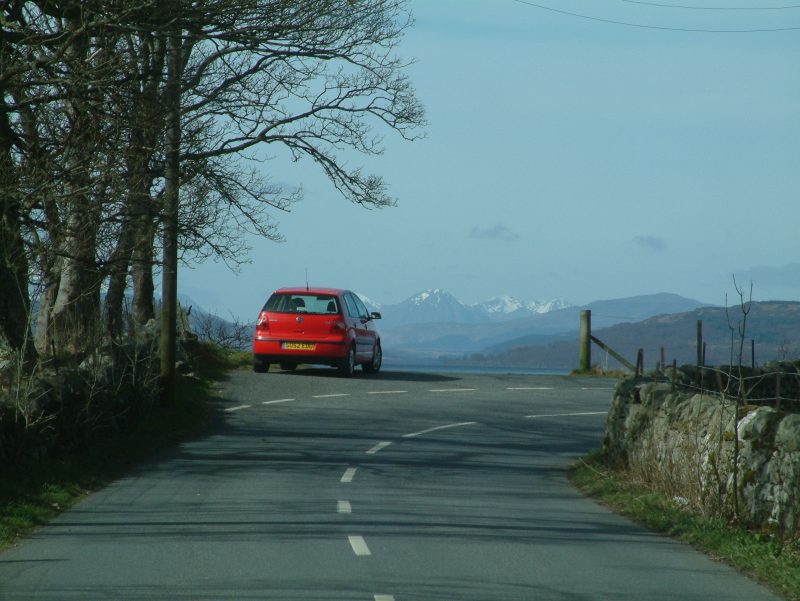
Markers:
753,353
699,342
697,376
585,342
640,363
778,391
674,372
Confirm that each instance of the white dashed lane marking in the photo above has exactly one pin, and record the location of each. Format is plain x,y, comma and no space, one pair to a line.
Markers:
348,475
453,390
384,597
359,545
388,392
378,447
437,428
329,396
275,402
240,407
530,388
343,507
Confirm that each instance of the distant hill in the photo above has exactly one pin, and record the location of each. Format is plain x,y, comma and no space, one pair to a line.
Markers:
409,340
605,313
774,326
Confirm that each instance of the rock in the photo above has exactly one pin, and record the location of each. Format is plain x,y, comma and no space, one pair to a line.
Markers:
787,437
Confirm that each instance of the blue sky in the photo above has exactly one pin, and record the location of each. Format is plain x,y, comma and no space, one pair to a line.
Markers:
565,157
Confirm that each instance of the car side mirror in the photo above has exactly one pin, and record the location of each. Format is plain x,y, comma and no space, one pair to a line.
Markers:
374,315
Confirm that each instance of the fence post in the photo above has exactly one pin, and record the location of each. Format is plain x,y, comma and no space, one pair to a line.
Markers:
585,342
697,376
778,391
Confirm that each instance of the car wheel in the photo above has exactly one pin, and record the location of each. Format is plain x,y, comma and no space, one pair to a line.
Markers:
374,366
348,364
260,367
288,366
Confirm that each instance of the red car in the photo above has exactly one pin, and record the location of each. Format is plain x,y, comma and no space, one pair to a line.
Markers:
316,325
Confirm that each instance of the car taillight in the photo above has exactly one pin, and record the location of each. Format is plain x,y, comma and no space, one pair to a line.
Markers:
262,323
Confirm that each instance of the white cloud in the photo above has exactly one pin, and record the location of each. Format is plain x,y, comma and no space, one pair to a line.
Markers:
498,232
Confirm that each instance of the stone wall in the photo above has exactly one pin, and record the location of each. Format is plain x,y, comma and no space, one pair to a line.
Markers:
683,443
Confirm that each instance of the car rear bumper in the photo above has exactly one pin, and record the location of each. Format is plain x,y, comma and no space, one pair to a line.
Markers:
271,351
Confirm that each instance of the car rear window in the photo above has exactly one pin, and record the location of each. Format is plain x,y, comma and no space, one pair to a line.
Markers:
319,304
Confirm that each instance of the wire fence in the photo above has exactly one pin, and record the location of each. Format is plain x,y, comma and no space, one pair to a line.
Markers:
725,367
778,388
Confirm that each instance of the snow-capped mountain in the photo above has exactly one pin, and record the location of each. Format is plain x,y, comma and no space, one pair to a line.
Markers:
433,306
371,304
508,307
439,306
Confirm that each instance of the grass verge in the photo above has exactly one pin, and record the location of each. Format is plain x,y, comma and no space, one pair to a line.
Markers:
755,554
33,494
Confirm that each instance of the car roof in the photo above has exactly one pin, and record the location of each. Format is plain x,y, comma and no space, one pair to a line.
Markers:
311,290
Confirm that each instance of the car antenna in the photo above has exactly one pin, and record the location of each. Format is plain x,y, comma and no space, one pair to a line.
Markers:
306,279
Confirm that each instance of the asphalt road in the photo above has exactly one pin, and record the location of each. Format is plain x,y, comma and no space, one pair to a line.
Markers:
393,487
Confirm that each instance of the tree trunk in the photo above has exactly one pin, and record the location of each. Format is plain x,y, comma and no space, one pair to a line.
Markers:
134,251
76,310
135,238
14,294
142,270
169,285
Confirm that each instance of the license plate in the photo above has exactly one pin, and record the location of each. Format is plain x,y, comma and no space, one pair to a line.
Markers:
299,346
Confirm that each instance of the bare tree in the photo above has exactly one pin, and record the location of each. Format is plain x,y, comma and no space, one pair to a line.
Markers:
55,98
312,77
14,298
309,76
83,138
140,94
745,305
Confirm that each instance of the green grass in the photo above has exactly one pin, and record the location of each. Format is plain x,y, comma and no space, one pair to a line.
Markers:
755,554
32,494
213,361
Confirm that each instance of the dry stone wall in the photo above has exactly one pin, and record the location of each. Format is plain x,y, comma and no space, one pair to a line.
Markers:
683,443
